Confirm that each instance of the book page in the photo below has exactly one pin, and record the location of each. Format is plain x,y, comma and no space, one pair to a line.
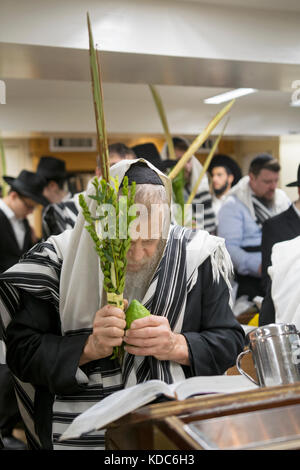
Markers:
213,384
115,406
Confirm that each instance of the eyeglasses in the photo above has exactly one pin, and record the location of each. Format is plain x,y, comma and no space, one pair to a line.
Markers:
30,206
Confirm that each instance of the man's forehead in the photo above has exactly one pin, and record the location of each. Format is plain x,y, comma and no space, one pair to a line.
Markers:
115,157
266,174
217,169
148,225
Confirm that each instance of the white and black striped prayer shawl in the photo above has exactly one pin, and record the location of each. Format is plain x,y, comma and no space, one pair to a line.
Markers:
39,274
202,210
59,217
262,212
259,212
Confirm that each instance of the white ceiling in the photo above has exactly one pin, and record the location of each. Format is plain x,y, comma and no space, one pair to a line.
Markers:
190,50
279,5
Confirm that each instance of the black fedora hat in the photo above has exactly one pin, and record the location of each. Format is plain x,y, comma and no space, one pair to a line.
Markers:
295,183
52,167
28,184
224,160
149,152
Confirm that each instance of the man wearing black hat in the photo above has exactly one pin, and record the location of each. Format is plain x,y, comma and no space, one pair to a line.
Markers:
284,226
149,152
281,254
59,209
53,170
225,173
17,237
253,200
280,265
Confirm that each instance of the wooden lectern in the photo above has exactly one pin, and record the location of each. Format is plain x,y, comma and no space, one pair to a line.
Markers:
263,418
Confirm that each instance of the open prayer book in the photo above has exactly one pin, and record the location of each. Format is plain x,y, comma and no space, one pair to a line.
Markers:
129,399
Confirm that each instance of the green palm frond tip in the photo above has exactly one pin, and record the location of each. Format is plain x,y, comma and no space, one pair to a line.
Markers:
98,104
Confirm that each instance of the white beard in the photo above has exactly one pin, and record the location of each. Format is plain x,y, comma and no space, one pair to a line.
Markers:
137,283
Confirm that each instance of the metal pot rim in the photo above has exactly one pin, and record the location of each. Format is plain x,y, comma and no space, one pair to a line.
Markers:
273,329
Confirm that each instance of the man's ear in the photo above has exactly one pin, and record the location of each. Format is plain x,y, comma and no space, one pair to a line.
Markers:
52,184
14,195
252,177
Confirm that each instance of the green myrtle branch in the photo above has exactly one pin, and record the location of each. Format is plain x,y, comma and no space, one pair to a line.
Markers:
112,251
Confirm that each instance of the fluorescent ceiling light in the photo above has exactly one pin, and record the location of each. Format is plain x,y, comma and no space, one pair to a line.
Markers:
295,103
229,95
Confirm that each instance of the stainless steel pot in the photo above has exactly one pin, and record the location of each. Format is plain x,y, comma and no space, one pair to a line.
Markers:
275,350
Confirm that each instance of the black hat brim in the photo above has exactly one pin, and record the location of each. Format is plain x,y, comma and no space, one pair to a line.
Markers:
9,180
16,186
295,183
166,164
45,173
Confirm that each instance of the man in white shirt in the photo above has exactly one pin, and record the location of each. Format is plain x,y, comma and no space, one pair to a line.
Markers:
17,237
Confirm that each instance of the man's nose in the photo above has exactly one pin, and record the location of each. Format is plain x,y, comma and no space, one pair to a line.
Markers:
136,252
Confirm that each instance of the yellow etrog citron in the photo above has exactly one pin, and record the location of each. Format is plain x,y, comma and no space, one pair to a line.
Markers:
135,310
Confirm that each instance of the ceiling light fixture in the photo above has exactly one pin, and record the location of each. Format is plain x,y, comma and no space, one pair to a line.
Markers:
295,103
229,95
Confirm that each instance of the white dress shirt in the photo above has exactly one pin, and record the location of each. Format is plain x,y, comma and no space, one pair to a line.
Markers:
217,202
17,224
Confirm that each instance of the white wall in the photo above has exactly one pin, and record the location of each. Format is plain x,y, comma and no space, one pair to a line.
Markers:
17,159
17,156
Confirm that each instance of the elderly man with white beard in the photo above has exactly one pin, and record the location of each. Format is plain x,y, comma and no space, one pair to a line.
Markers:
60,333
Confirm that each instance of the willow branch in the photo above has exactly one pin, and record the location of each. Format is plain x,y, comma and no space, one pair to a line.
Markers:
163,118
200,140
206,164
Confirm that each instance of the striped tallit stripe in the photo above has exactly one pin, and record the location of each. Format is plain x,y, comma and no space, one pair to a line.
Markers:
262,213
59,217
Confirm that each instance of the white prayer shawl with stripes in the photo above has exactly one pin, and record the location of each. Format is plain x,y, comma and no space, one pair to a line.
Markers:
59,217
258,211
65,271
